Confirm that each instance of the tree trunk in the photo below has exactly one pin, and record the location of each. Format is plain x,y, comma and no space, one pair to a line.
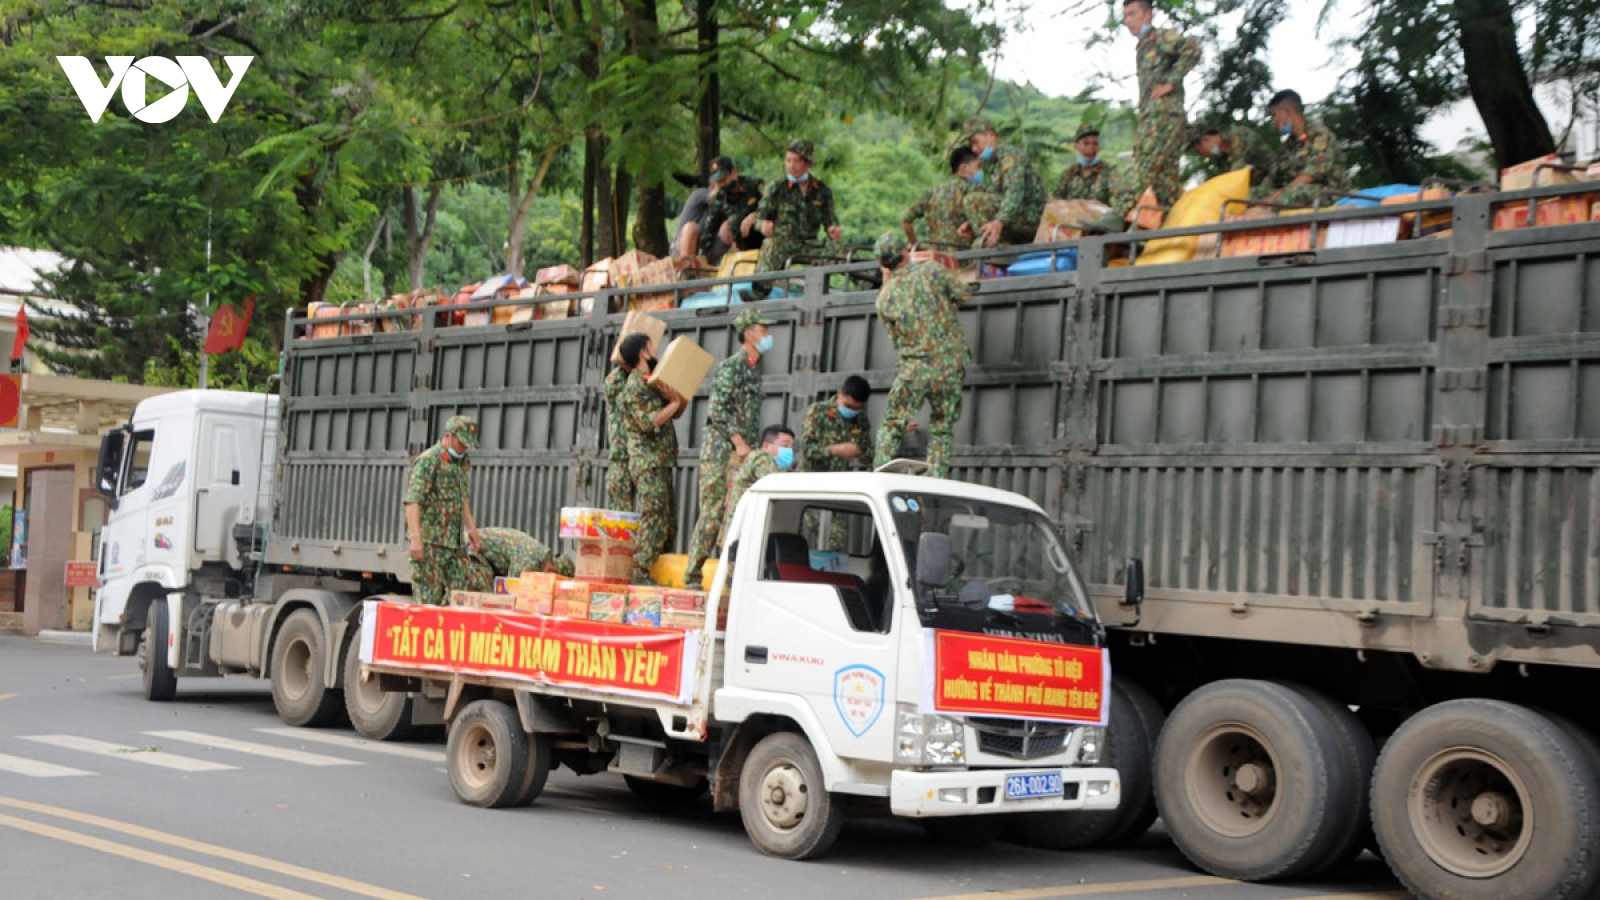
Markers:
419,239
1499,81
313,286
708,113
621,200
590,184
650,229
604,199
520,207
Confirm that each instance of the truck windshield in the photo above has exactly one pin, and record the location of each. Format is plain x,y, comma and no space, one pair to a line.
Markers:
1011,573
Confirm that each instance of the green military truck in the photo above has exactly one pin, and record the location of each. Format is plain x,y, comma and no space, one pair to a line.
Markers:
1364,484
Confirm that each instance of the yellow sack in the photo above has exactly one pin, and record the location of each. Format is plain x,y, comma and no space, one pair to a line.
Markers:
738,262
1201,206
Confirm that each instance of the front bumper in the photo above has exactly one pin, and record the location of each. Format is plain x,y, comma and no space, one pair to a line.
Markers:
979,792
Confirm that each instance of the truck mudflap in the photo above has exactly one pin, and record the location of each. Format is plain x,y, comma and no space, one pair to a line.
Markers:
979,792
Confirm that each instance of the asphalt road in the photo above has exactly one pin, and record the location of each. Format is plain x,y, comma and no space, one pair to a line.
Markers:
105,795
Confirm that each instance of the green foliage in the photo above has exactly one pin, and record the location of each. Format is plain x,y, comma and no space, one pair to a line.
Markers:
249,369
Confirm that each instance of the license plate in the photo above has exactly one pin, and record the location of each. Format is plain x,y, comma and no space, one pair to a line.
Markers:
1025,787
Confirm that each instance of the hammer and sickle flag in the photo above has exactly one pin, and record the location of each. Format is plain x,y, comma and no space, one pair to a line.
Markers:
229,326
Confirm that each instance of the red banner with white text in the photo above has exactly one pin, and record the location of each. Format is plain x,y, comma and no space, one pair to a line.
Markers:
985,675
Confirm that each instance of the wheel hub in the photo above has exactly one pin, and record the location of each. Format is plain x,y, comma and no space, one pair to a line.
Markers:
1232,780
1470,811
783,796
1254,779
296,679
480,757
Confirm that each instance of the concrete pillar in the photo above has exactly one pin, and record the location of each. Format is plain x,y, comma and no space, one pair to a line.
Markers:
52,502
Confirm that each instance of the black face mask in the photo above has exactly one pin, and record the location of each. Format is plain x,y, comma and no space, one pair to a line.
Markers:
648,365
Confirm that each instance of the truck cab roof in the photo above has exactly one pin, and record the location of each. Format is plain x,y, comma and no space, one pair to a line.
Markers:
881,485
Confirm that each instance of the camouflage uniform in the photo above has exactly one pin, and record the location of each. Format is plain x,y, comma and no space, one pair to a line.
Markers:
735,408
823,428
509,552
439,487
1093,183
797,215
619,483
652,456
756,466
731,203
1164,57
1012,192
1314,153
1241,147
943,206
918,309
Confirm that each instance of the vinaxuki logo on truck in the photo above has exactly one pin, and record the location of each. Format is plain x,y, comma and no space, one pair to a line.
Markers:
178,76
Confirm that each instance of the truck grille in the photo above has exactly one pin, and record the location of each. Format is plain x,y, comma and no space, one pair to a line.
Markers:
1018,739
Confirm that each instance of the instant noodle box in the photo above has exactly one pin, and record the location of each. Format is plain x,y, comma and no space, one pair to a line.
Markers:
645,605
608,606
592,522
599,559
482,600
570,600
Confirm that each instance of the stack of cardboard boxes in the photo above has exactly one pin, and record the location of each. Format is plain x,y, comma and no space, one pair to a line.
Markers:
1546,171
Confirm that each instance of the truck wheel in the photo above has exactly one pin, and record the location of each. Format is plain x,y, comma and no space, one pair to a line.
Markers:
1128,749
374,713
974,832
541,753
786,810
160,682
1486,799
488,755
1137,811
1354,744
1249,783
298,688
661,793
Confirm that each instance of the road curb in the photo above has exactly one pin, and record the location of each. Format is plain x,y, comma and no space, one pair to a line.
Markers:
67,637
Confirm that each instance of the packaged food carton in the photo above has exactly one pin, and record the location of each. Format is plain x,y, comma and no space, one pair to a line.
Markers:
645,605
570,600
597,277
563,275
483,600
684,601
1537,172
608,606
638,322
603,559
593,522
683,366
622,268
687,621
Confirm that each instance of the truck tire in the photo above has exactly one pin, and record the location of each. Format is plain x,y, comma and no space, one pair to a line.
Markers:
786,811
541,754
488,756
1129,750
972,832
1136,815
1485,800
375,713
1360,755
1249,781
660,793
298,688
160,682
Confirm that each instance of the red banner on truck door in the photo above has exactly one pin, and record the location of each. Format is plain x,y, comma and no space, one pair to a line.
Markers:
625,659
984,675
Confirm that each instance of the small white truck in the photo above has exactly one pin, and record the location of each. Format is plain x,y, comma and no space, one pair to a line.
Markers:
952,671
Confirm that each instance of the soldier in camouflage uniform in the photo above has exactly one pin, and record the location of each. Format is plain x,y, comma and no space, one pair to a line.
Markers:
619,483
836,438
732,418
439,522
1306,164
1089,177
792,210
1164,57
776,454
732,215
943,206
647,412
508,552
1012,200
918,308
1230,149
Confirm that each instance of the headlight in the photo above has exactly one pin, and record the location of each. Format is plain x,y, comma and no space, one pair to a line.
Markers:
1090,745
928,740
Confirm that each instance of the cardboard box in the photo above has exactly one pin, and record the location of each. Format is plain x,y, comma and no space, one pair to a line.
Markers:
622,268
553,309
597,277
645,605
638,323
1061,217
570,600
739,262
535,592
684,601
687,621
683,366
608,606
482,600
593,522
1570,210
558,275
604,559
1535,173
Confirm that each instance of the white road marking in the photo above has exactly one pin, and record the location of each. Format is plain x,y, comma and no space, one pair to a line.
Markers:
356,743
132,754
265,750
36,769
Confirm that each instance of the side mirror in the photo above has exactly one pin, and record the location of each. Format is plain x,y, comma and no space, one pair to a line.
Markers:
1133,583
108,468
934,565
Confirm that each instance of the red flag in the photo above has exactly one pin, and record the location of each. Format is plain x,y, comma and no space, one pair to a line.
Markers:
229,326
22,333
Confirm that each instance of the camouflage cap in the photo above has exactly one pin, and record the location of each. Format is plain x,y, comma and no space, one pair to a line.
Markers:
748,319
890,244
721,168
804,149
465,428
1086,130
562,565
976,125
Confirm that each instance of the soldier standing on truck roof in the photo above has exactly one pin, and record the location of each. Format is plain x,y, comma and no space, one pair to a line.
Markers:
647,412
792,210
918,308
776,454
732,419
835,437
509,552
619,482
439,520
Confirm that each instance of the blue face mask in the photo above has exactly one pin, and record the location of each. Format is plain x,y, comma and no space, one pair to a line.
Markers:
764,345
977,177
987,154
800,180
784,457
1144,30
454,454
1285,130
1085,161
847,412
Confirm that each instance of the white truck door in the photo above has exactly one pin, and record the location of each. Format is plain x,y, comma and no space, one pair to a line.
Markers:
221,488
826,637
